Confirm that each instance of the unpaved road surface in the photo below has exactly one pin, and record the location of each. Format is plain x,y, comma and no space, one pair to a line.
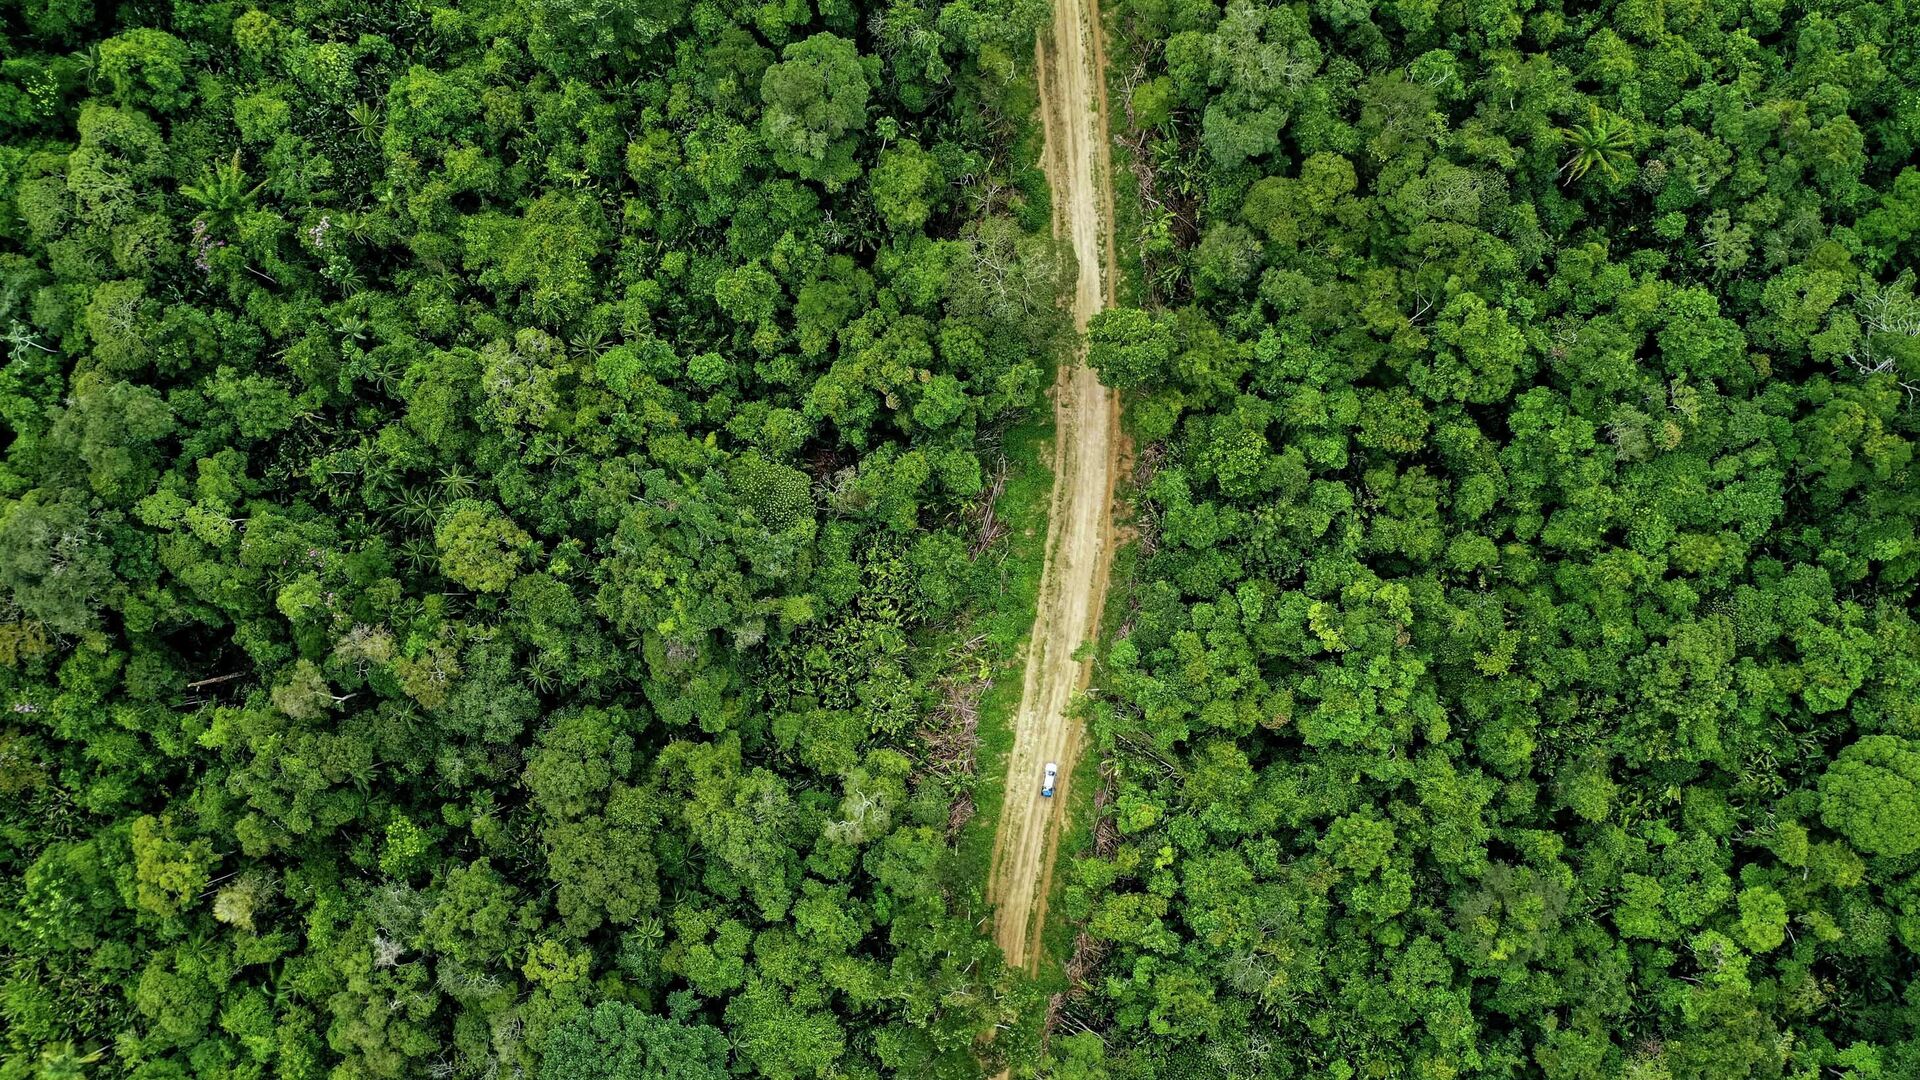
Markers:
1079,524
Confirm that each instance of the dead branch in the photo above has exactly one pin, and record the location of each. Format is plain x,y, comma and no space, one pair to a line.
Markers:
988,530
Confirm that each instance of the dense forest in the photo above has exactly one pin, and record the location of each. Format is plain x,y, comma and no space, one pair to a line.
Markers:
493,498
498,508
1519,676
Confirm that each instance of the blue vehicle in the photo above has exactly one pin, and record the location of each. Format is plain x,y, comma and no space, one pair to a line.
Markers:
1046,786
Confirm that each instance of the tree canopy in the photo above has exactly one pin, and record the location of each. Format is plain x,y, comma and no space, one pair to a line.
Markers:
491,495
1518,675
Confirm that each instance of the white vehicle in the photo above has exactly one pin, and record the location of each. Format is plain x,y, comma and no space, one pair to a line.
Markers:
1046,785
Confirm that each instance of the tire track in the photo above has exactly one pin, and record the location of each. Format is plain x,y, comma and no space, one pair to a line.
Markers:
1071,65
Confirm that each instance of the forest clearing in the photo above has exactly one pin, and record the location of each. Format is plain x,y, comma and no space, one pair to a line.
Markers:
1080,531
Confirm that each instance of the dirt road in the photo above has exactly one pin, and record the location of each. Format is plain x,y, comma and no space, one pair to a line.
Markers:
1079,525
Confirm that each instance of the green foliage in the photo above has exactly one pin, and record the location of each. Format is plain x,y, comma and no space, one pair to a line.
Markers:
53,563
223,193
1130,349
489,499
169,872
615,1041
1515,678
816,108
1871,795
405,850
480,547
1604,142
146,66
905,184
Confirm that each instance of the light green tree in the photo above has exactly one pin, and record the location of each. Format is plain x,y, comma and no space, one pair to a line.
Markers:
1871,795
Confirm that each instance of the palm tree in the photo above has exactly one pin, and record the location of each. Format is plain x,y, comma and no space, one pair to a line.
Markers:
222,191
1604,142
63,1061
